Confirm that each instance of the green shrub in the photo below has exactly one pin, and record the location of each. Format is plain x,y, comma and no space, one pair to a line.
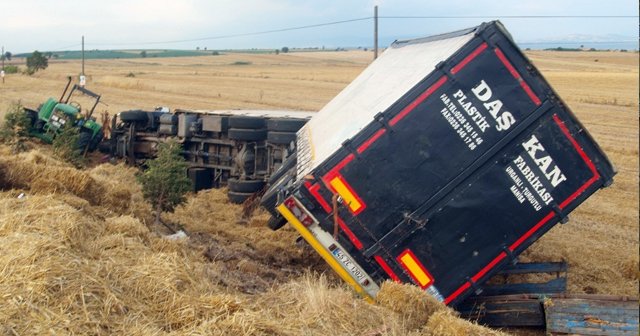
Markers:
16,124
165,182
11,69
65,146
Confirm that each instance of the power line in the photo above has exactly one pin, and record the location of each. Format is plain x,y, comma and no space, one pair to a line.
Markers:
513,17
241,34
356,20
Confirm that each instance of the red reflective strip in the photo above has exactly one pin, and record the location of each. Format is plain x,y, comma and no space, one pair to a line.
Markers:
335,170
386,268
469,58
517,76
489,266
315,191
544,220
371,140
584,157
418,100
356,242
457,293
531,231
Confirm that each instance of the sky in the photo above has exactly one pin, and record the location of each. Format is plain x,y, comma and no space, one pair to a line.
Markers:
51,25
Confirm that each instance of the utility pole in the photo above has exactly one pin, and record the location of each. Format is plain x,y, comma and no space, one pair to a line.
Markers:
2,69
82,77
375,32
82,73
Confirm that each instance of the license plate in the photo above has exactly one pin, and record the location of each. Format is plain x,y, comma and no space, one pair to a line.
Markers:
349,264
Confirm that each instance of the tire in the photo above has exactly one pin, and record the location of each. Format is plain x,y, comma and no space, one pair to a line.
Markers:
245,186
32,115
247,134
275,223
281,138
246,122
133,116
285,125
238,197
84,140
95,142
38,126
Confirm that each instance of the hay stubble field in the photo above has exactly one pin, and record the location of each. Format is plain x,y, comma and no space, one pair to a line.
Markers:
600,242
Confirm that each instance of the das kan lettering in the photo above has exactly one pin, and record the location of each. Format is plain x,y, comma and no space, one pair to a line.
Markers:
471,122
534,174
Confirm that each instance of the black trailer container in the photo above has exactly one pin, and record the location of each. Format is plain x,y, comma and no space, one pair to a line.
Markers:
449,182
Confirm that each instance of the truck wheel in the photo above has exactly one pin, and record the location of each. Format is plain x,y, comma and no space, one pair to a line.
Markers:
285,125
281,138
246,122
238,197
245,186
275,223
133,116
84,140
247,134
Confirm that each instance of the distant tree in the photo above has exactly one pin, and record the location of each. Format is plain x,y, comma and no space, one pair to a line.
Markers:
48,54
205,48
285,49
277,51
165,182
197,48
215,53
143,54
36,62
7,55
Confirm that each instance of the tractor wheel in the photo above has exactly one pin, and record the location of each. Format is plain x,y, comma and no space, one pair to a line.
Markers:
247,134
285,125
275,223
84,140
238,197
133,116
245,186
32,115
38,126
281,138
246,122
95,142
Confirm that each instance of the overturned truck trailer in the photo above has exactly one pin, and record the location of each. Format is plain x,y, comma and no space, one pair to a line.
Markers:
240,149
443,161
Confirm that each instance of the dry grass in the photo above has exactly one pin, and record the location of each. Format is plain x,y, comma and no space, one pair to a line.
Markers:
69,266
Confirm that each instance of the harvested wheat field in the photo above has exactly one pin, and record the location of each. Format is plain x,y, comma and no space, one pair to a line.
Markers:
80,256
77,257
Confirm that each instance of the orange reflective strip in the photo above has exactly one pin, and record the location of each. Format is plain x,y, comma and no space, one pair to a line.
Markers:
415,268
349,198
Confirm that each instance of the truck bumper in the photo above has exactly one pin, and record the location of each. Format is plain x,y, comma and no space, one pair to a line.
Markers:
334,254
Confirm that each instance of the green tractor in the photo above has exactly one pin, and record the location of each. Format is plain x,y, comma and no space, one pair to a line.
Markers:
54,115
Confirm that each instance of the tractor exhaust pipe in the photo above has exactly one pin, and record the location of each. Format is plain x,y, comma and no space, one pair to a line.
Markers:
65,89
